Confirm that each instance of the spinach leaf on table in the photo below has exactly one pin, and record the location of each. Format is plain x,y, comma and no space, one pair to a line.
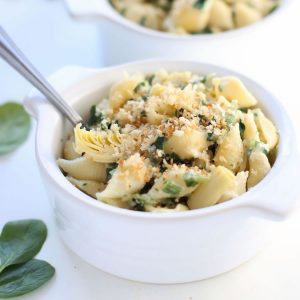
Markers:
20,241
14,126
21,279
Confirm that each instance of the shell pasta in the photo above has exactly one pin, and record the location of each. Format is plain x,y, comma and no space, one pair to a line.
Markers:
195,16
171,141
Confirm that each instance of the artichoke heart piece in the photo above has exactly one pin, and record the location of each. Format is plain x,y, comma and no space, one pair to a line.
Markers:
99,146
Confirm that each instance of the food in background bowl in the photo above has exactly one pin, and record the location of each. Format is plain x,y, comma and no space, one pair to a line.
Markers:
171,141
195,16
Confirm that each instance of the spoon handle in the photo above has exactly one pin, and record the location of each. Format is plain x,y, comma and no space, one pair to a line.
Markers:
14,57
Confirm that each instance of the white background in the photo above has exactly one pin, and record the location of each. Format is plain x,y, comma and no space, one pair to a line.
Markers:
51,39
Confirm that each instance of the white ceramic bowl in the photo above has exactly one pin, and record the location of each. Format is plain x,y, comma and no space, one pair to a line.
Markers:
123,40
160,247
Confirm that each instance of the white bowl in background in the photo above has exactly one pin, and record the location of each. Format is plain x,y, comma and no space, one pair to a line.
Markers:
160,247
124,40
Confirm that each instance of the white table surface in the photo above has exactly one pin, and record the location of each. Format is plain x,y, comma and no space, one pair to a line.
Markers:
50,39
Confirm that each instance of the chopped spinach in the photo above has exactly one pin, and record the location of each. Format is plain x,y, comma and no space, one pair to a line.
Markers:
243,109
191,179
213,148
110,169
123,11
199,4
159,143
143,21
242,128
147,186
139,86
229,118
138,201
179,112
273,8
174,158
168,203
150,78
143,114
95,118
171,188
210,136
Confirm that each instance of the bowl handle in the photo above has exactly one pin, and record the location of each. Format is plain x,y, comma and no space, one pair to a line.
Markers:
285,192
89,9
61,80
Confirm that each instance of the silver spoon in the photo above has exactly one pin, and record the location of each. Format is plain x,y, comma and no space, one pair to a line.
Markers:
14,56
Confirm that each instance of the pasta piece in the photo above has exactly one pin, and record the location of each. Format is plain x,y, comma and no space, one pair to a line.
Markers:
158,110
165,100
122,91
187,145
240,187
241,182
267,131
221,16
244,164
89,187
83,168
259,167
220,182
233,89
176,182
113,201
251,132
179,207
69,152
99,146
129,178
146,15
231,152
245,15
190,17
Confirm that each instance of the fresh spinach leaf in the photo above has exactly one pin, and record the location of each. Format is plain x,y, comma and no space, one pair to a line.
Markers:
14,126
21,279
20,241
